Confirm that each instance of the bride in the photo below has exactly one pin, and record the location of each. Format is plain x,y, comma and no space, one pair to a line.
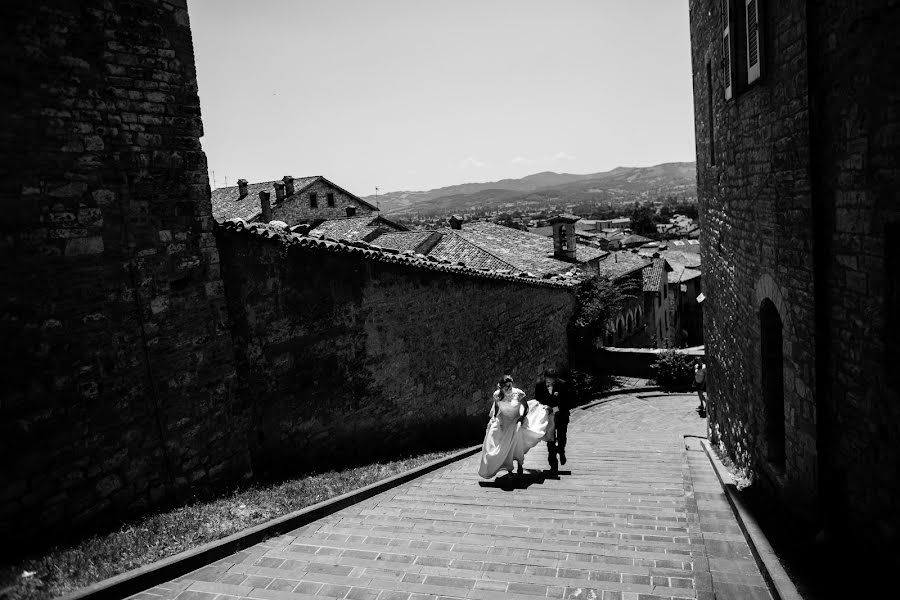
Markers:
515,428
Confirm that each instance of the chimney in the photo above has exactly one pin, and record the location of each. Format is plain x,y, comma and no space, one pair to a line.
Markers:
564,236
456,222
242,189
279,191
288,185
266,206
351,211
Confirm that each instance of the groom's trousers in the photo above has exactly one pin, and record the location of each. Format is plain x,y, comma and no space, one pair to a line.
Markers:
558,446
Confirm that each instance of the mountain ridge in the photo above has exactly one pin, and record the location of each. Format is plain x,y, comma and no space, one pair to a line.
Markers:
613,186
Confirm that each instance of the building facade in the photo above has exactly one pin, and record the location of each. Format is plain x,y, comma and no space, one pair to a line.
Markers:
797,121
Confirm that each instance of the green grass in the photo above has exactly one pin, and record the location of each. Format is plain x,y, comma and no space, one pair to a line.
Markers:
63,570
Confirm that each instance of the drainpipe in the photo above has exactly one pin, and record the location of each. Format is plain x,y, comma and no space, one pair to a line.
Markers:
822,207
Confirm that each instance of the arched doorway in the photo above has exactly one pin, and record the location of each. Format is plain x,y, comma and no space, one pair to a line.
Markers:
771,337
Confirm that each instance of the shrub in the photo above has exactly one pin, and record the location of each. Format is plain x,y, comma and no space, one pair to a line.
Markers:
673,369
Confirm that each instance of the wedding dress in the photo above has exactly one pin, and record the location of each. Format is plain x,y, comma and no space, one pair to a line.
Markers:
506,440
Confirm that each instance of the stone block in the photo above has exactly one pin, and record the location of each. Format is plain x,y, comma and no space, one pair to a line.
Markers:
84,246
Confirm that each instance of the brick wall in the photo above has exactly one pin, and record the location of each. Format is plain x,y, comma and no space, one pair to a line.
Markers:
116,390
297,210
756,217
855,93
345,357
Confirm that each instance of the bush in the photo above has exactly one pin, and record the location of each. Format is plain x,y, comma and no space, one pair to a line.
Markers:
586,385
673,369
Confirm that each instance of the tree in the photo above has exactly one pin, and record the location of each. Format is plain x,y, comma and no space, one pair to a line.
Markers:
598,300
642,221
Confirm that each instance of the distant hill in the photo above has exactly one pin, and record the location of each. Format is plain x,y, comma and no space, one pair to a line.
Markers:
622,184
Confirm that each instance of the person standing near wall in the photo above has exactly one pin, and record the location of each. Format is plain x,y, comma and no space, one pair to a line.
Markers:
700,383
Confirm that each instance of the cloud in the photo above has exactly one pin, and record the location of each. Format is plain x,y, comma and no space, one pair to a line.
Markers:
470,162
550,158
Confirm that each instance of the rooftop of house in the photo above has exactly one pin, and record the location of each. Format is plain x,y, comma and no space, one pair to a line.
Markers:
280,233
404,240
354,228
228,204
619,264
457,249
654,274
522,249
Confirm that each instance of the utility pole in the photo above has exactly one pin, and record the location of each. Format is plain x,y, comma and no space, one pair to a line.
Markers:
376,198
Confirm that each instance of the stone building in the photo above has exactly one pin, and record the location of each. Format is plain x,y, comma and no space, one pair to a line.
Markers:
303,200
797,120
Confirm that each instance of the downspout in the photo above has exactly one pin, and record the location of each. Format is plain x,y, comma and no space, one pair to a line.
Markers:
822,209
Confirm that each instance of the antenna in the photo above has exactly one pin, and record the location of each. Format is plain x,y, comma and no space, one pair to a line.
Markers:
376,198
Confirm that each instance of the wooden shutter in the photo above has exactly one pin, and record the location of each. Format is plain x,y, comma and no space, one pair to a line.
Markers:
753,41
727,54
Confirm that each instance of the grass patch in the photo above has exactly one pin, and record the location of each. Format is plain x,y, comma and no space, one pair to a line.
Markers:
62,570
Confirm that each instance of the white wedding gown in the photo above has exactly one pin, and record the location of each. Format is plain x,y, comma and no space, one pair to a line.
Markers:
505,439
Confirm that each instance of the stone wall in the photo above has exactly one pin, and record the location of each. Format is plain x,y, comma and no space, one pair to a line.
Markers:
756,217
117,381
344,356
855,94
297,209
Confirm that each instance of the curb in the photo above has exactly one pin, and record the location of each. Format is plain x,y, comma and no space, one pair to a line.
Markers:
780,585
142,578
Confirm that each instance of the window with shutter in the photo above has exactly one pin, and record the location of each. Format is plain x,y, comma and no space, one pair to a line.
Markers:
753,41
726,49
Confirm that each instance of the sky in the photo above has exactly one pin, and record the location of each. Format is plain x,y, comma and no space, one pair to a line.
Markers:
421,94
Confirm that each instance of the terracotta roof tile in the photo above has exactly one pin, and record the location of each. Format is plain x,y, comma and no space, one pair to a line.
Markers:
350,229
620,264
521,249
280,234
457,249
402,240
653,275
226,203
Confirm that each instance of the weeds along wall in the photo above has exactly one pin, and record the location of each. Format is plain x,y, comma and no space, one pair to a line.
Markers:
116,365
343,356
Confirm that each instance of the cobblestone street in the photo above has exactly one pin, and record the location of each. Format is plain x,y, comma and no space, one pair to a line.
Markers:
636,513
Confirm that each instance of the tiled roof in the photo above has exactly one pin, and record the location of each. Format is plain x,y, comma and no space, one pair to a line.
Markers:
681,274
402,240
636,239
682,256
457,249
349,228
524,250
653,274
620,264
546,231
226,203
280,234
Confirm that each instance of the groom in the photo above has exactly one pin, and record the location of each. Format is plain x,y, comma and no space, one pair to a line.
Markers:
554,392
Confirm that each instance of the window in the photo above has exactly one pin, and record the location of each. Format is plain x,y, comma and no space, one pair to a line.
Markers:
329,197
313,200
753,39
727,49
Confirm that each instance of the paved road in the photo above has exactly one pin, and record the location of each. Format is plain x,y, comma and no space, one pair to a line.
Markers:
636,514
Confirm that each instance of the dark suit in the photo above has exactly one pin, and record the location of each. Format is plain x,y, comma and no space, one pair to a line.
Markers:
561,399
